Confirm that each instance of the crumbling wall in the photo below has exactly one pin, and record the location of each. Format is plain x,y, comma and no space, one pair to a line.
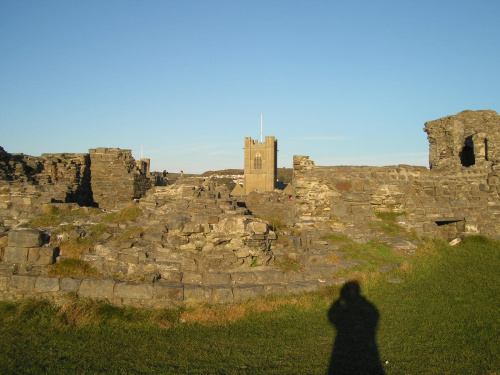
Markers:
446,203
117,178
466,139
459,194
28,182
112,176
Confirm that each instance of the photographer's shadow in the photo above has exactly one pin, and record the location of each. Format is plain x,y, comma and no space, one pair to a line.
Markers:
355,319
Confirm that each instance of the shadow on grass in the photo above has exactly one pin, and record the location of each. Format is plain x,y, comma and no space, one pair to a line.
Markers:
355,319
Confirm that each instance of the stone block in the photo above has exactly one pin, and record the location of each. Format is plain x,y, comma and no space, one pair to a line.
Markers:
190,228
217,278
24,283
173,276
362,210
4,281
70,284
25,238
97,288
356,197
257,227
192,278
223,295
128,258
153,237
293,276
240,278
165,290
194,294
301,287
269,276
16,255
177,222
339,210
242,252
33,254
43,255
7,269
245,293
126,245
213,220
188,264
275,290
47,284
133,291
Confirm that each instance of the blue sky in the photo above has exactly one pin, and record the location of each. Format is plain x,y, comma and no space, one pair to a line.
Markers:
345,82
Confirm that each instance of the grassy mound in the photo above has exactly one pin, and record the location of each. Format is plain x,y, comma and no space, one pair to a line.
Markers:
443,319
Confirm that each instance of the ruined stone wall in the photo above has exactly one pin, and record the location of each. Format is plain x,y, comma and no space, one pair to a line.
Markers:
28,182
445,203
65,176
116,177
468,138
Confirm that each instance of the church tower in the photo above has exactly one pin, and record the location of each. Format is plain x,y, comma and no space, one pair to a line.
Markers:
261,165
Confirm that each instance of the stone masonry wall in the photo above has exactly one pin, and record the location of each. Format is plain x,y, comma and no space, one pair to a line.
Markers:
445,203
465,139
28,182
116,177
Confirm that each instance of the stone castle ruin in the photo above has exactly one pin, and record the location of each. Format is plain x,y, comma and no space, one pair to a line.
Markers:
467,139
458,195
194,242
105,178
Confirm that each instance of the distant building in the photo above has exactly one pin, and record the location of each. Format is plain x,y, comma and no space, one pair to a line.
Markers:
261,165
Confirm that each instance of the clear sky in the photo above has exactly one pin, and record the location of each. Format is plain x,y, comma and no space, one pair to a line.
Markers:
345,82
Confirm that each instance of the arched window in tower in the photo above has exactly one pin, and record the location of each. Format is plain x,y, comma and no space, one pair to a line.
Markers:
257,161
467,154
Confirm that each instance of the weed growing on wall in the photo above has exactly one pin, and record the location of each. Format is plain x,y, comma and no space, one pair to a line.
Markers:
336,238
129,213
69,267
275,222
74,247
53,216
289,265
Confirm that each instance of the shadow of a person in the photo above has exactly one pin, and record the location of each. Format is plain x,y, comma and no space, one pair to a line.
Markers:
355,319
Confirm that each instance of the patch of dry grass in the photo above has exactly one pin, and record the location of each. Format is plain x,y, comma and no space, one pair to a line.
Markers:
336,238
70,267
128,213
221,315
289,265
334,258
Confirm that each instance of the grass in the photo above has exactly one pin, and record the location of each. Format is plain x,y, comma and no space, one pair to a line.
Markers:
275,222
389,217
128,213
374,252
70,267
388,225
52,216
444,319
74,247
289,265
391,229
336,238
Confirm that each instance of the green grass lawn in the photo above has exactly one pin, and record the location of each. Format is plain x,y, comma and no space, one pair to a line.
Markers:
443,319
